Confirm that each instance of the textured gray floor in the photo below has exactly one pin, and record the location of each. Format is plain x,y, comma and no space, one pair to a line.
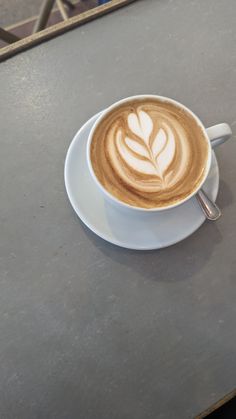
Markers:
12,11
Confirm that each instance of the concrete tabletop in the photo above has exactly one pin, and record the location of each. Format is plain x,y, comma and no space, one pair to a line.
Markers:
89,330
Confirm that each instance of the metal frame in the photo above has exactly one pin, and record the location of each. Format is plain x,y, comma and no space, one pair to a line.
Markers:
61,28
8,37
46,9
44,14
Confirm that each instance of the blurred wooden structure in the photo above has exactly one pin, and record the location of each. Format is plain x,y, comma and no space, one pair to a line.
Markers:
61,27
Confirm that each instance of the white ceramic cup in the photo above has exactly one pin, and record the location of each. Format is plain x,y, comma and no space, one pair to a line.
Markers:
215,135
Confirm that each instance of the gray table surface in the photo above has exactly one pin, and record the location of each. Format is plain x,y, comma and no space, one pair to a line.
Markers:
89,330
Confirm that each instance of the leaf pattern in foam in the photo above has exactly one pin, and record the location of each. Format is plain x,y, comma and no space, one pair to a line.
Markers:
159,142
166,155
137,147
153,160
141,124
140,165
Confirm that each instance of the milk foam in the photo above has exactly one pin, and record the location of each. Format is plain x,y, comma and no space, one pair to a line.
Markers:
148,150
145,151
149,153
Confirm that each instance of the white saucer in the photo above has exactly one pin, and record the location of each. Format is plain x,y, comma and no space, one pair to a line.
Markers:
130,230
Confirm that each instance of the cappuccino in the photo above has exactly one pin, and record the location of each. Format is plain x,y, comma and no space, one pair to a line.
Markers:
149,153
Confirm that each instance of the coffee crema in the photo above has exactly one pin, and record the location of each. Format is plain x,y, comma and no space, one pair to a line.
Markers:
149,153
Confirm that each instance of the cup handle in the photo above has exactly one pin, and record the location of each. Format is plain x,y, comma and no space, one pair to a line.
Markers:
218,134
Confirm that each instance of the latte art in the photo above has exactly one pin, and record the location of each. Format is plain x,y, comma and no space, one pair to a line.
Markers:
146,156
149,149
149,153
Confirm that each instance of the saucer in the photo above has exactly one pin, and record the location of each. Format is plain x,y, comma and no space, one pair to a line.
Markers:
121,226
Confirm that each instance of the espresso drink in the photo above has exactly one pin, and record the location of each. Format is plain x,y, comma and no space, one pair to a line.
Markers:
149,153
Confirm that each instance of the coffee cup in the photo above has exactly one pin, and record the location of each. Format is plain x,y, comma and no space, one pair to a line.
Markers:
150,153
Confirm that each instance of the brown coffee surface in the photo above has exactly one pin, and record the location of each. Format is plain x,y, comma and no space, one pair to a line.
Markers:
149,153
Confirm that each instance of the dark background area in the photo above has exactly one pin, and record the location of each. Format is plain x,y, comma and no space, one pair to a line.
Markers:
227,411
